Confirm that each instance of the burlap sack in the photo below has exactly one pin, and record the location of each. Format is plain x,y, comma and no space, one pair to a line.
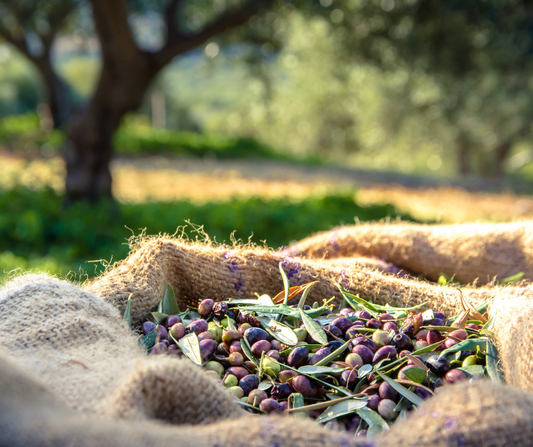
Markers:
469,252
198,271
98,388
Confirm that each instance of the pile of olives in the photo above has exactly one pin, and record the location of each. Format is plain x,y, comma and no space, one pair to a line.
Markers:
389,362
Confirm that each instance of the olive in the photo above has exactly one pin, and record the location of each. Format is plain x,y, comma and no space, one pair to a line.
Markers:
236,391
354,360
361,433
286,375
386,391
254,334
363,314
162,332
215,366
341,323
439,315
434,336
177,331
366,354
298,357
390,326
380,338
422,393
255,397
284,405
301,333
231,335
236,359
281,391
422,334
174,350
455,375
438,366
207,349
230,381
261,346
270,406
436,322
205,307
319,355
220,309
148,327
236,346
373,324
373,402
243,327
332,332
213,374
159,348
275,344
386,352
365,341
205,336
349,378
238,371
352,424
386,409
402,342
172,320
302,385
420,344
249,383
347,312
198,326
335,344
273,354
470,361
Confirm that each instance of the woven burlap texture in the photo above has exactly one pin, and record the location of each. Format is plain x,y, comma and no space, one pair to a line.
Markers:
197,271
469,252
42,403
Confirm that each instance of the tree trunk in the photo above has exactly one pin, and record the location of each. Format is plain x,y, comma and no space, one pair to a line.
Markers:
57,94
502,152
88,150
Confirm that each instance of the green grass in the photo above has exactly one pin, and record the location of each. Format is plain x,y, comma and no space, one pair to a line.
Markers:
38,232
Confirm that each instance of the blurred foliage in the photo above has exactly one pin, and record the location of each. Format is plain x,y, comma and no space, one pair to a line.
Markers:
35,225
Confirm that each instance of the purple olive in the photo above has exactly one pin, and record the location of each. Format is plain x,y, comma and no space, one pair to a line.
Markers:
162,332
438,366
174,349
341,323
352,424
346,312
373,324
373,402
205,307
207,349
349,378
384,317
270,406
284,405
319,355
281,391
286,375
236,346
334,331
363,314
273,354
455,375
220,309
198,326
387,392
365,341
436,322
205,336
177,331
390,326
148,327
440,315
298,357
422,334
249,383
386,352
366,354
422,393
434,336
259,347
172,320
159,348
254,334
256,397
276,345
302,385
402,342
411,363
238,371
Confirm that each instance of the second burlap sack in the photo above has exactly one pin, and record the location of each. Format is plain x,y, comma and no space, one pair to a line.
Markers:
469,252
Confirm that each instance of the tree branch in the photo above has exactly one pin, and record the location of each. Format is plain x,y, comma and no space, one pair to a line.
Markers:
19,44
223,23
170,21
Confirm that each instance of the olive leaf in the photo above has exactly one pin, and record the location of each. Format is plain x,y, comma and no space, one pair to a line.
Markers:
127,312
373,419
169,304
341,409
251,407
265,385
313,328
190,346
286,285
415,374
278,330
364,371
376,307
334,354
470,344
408,394
494,367
148,341
308,288
511,279
473,370
313,369
283,309
159,318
